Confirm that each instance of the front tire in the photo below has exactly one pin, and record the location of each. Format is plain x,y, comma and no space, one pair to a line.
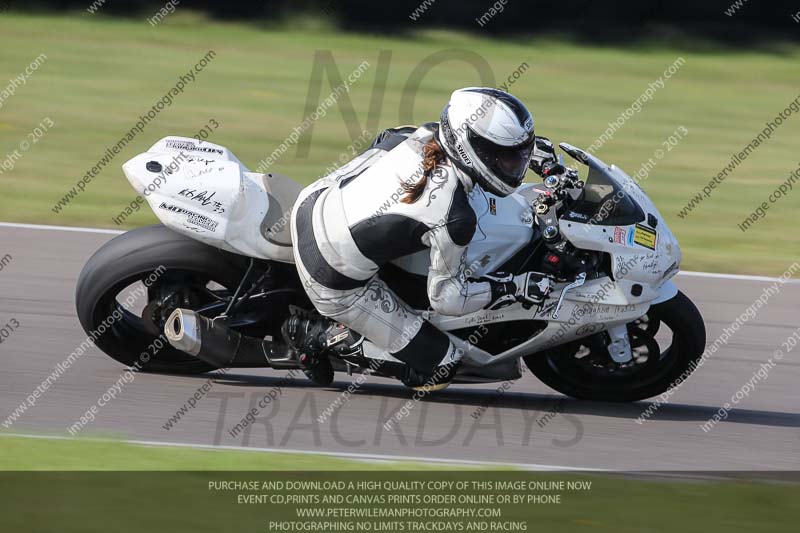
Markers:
132,257
570,371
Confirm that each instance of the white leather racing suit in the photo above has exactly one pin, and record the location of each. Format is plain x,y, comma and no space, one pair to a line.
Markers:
346,225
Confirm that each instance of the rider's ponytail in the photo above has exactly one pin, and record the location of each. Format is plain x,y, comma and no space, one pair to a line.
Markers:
432,155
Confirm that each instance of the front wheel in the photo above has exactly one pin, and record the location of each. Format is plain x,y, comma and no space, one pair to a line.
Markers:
583,368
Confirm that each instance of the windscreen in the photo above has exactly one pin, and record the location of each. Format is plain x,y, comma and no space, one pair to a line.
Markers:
605,202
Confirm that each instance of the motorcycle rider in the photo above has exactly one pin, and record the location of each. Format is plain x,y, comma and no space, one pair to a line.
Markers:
407,193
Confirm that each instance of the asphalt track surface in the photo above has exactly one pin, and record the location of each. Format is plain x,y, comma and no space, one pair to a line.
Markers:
761,432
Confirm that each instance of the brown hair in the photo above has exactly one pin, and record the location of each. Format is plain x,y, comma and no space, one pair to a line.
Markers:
432,155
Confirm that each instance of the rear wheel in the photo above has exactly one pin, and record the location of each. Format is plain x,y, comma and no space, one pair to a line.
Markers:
583,368
177,270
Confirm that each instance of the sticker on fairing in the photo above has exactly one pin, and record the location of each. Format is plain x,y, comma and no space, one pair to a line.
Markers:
643,236
619,235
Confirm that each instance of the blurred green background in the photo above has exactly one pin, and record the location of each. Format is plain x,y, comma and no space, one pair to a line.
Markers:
102,73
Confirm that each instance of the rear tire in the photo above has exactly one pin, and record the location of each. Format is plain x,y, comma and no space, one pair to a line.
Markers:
556,368
132,257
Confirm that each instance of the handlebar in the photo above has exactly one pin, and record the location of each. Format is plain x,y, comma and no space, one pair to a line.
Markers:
563,187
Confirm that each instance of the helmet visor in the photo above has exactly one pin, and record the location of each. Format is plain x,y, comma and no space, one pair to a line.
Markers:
508,163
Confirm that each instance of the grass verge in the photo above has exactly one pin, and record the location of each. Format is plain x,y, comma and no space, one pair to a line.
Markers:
84,486
101,74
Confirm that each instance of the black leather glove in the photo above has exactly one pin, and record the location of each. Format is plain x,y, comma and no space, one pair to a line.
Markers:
544,155
530,288
552,168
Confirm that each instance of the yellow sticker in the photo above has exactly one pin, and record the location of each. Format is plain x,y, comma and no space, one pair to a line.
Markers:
644,236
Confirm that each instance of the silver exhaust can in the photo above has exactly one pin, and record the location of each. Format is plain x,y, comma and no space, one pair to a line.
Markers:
183,331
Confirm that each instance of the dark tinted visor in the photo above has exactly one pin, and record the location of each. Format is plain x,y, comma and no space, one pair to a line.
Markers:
509,163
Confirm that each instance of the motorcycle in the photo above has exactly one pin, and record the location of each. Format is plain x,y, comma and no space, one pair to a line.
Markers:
614,328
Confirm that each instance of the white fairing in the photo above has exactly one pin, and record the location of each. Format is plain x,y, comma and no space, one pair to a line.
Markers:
641,274
648,257
202,190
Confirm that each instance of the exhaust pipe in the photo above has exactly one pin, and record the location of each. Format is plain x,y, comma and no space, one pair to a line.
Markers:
218,345
183,331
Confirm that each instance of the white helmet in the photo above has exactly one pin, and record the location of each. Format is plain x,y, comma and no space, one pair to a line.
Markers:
488,134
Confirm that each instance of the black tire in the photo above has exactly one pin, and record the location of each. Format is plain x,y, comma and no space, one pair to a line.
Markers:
132,257
555,367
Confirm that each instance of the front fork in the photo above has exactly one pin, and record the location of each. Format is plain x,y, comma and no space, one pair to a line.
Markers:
620,346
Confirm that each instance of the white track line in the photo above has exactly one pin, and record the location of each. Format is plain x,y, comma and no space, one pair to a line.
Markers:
341,455
740,277
59,228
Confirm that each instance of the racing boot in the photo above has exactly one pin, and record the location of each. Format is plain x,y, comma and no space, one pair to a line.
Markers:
343,340
313,339
439,378
305,336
